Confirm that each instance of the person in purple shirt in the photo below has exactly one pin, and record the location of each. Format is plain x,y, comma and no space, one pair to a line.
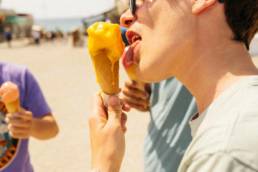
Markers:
34,119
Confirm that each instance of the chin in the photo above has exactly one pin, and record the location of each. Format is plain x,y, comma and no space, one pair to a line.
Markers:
151,75
147,75
150,78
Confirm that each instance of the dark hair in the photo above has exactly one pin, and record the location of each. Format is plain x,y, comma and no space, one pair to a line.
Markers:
242,17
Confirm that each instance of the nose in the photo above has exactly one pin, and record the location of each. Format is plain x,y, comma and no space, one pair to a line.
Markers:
127,19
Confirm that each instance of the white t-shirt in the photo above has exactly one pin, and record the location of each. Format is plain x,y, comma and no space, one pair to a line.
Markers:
225,136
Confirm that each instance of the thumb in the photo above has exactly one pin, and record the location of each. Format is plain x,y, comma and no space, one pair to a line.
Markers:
98,116
114,108
99,108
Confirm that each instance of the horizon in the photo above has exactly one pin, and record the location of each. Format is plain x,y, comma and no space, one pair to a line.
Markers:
66,18
59,9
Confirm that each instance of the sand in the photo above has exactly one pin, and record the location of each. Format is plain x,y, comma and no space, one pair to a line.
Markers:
68,82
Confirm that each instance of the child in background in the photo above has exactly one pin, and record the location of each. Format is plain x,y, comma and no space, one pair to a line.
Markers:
33,119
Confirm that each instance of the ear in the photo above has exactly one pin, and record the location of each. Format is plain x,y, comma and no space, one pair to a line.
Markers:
199,6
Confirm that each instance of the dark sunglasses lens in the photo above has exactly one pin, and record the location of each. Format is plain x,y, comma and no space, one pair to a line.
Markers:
132,5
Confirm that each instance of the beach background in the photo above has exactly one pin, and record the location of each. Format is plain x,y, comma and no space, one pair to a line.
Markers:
66,77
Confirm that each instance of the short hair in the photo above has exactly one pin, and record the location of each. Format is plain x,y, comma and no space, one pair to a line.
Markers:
242,17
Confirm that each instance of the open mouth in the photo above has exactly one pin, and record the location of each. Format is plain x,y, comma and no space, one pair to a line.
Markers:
131,53
132,37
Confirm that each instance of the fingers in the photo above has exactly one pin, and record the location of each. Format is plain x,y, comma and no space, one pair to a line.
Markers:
126,107
113,115
116,118
114,108
99,115
123,122
99,107
135,84
139,104
135,95
22,114
138,89
19,124
19,134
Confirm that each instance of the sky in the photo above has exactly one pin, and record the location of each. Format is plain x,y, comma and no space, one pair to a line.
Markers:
41,9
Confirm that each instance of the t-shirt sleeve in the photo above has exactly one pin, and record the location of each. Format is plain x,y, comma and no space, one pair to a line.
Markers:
219,162
34,99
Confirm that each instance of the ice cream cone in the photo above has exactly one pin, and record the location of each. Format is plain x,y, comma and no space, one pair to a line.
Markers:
13,106
10,96
106,47
107,74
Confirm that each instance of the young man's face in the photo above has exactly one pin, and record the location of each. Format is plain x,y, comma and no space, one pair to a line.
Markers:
161,35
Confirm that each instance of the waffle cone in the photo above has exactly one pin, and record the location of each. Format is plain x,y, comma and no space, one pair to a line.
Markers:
13,106
107,74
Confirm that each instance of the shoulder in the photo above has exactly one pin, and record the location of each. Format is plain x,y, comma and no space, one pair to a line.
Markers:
219,161
234,136
12,72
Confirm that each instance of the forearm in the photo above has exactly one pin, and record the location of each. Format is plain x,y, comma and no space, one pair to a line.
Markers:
107,165
44,128
105,169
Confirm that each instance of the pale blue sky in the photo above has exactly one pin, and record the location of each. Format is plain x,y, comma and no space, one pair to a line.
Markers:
59,8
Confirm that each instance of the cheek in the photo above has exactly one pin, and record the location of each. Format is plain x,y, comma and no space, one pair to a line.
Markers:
149,12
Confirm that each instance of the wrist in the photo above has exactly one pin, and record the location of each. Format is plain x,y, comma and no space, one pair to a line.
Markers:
106,165
104,169
33,127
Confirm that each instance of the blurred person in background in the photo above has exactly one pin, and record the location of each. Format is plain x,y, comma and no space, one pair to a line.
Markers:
8,36
33,119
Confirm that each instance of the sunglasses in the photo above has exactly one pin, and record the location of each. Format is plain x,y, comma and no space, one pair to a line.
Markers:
132,5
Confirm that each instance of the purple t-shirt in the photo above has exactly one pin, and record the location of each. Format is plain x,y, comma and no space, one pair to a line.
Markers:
14,154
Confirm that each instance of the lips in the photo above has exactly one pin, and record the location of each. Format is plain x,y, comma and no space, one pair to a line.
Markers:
132,36
131,52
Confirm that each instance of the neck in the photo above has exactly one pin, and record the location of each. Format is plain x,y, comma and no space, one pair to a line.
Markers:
214,70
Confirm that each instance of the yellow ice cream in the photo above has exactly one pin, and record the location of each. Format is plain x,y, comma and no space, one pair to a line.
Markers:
10,96
106,46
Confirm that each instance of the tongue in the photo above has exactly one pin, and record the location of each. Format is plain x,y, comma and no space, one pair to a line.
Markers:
127,57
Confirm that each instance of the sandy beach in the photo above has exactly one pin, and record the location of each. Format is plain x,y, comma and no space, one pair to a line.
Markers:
68,82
